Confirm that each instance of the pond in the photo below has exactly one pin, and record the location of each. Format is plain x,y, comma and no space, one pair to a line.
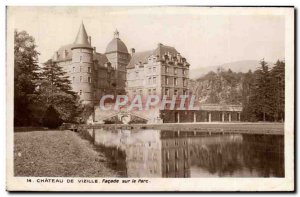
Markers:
184,154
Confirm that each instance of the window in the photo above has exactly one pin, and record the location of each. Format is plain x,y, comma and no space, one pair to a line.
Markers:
73,69
176,167
141,92
89,79
149,80
154,91
136,74
175,71
167,155
149,91
167,80
154,69
167,69
80,92
175,92
154,80
80,78
183,72
167,168
149,69
184,82
167,92
80,58
80,68
73,79
89,69
175,81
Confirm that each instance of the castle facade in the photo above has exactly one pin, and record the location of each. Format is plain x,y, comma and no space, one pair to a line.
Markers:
161,71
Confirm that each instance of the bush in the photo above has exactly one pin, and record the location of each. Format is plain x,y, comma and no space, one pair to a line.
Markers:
52,118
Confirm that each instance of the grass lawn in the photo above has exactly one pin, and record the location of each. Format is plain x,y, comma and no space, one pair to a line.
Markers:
57,154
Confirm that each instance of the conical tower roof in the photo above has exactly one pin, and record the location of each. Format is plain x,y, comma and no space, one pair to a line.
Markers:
82,39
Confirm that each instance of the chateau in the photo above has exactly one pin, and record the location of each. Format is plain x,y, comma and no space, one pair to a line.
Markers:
162,71
94,74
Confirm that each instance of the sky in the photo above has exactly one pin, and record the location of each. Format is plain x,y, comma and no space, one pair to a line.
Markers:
206,37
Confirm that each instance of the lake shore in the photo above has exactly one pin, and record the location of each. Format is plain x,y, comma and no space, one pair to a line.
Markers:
204,127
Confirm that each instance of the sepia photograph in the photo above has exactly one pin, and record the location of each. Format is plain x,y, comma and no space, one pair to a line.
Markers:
150,98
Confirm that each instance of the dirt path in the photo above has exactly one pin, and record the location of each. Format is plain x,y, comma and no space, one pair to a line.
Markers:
57,154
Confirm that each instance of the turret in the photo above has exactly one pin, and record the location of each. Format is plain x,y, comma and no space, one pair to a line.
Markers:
82,66
117,54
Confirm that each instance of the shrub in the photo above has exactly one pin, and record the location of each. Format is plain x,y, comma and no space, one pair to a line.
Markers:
52,118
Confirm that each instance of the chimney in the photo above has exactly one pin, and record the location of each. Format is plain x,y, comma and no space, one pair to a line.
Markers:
56,55
90,40
65,54
132,51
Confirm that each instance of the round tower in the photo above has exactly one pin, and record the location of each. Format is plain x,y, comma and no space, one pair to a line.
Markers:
82,66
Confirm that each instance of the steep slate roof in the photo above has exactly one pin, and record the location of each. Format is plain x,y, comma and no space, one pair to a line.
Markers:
101,58
116,45
61,51
82,39
159,52
163,49
139,57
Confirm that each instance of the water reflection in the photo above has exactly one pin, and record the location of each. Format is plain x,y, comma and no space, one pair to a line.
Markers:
155,153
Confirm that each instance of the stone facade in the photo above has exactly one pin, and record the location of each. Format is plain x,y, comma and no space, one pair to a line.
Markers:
162,71
91,73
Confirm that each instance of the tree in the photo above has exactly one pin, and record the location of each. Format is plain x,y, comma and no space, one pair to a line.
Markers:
261,98
51,118
248,81
278,85
25,76
55,90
